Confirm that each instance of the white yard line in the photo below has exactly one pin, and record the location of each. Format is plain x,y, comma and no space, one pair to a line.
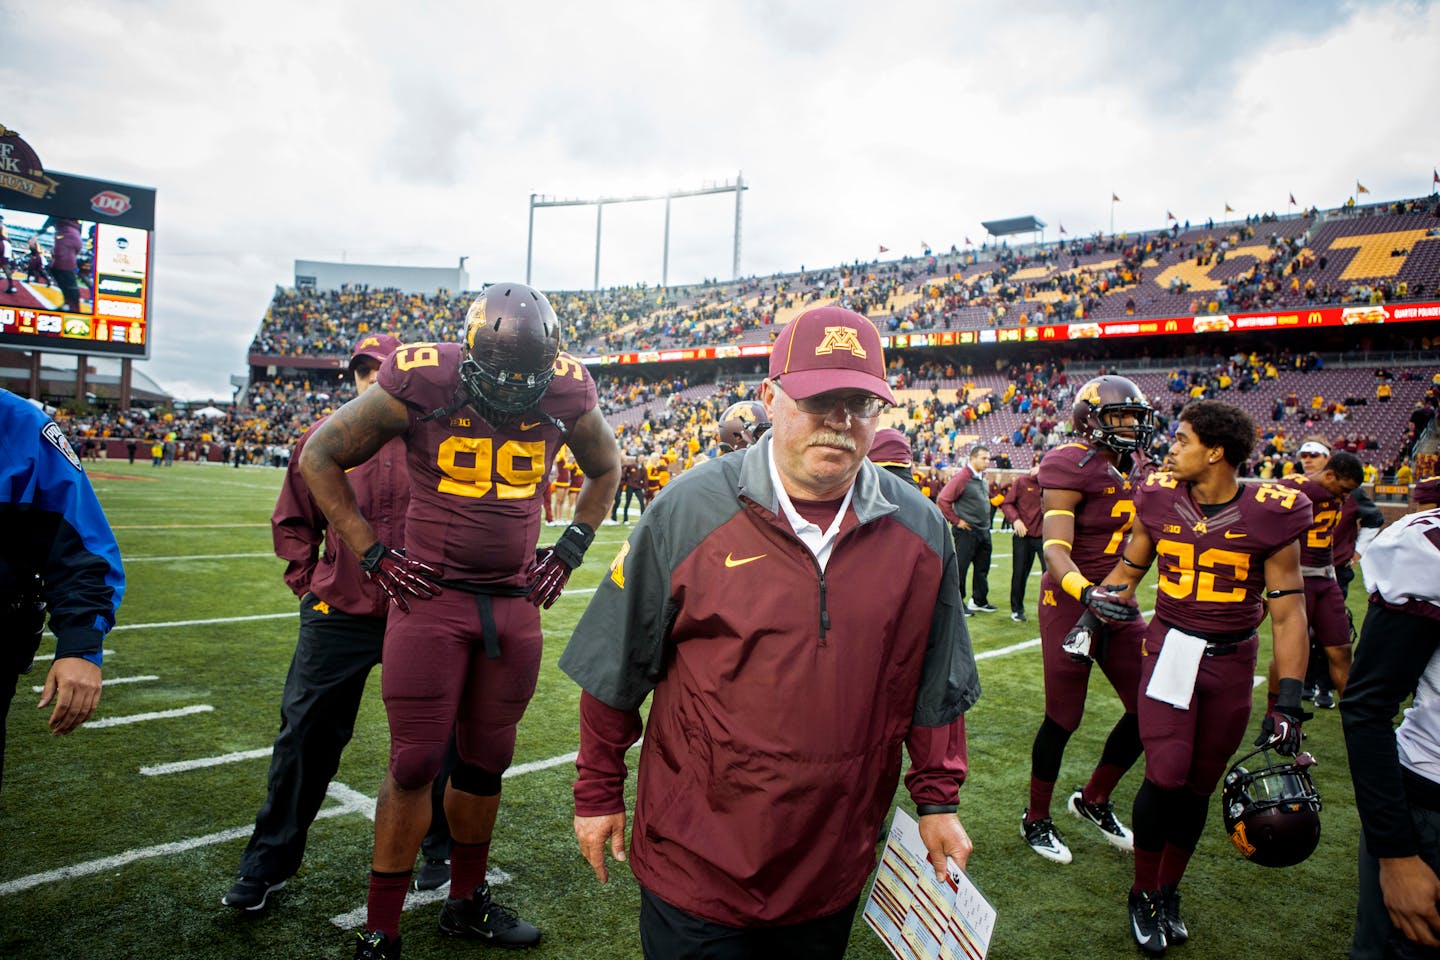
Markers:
199,556
184,526
182,766
337,790
51,656
201,623
113,681
144,717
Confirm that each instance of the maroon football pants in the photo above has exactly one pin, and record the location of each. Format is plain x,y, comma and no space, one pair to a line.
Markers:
1192,748
436,678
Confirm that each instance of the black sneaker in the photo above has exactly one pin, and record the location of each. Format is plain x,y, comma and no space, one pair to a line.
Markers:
1018,616
1145,923
250,893
481,918
1175,932
1325,699
1044,839
432,875
374,945
1102,815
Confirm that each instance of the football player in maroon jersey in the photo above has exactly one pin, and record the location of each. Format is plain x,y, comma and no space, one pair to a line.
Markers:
1088,511
1224,550
1325,612
482,422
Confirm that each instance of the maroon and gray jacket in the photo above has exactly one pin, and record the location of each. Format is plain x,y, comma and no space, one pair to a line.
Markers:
781,695
298,527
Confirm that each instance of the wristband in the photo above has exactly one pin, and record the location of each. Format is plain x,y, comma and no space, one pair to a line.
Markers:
1288,697
926,809
1074,583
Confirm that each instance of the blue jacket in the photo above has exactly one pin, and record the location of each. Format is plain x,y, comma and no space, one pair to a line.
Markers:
54,528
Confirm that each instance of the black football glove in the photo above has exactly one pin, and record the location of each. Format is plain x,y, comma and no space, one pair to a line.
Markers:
398,575
1107,604
1280,730
550,570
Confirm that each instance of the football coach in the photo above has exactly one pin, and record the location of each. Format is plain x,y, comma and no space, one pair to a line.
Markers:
795,611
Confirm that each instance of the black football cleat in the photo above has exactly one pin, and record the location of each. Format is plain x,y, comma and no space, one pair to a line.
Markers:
374,945
1102,817
1175,931
481,918
1146,925
1044,839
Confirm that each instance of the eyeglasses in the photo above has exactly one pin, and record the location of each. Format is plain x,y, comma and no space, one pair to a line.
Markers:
862,406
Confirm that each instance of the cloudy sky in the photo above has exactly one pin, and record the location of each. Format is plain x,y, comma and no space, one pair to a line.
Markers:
413,133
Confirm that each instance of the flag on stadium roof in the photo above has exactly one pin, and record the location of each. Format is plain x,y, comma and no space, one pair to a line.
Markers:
1361,188
1434,176
1229,209
884,249
1114,197
1292,199
1169,215
1062,228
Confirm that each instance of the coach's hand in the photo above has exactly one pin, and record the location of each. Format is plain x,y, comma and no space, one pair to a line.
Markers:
944,836
74,685
550,570
1107,603
593,832
398,575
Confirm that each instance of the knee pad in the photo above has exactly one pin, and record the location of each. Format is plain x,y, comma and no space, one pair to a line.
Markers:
471,779
1048,750
415,767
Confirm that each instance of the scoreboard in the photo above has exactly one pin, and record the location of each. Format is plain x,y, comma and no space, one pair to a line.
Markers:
77,267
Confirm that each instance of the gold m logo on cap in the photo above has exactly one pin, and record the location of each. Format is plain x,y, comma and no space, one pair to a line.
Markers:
369,342
840,338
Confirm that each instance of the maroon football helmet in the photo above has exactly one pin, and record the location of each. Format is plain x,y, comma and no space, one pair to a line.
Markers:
1100,407
741,425
1272,812
513,337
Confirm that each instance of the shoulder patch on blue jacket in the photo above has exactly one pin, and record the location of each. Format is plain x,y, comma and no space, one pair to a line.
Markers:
52,432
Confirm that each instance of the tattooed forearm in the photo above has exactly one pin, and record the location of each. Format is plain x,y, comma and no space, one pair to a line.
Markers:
347,439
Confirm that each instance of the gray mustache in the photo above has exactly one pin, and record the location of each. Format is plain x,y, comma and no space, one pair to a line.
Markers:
828,438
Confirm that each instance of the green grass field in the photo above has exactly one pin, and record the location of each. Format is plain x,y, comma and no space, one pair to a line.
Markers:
98,860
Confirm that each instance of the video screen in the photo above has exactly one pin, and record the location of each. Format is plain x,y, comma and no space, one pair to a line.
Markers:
72,278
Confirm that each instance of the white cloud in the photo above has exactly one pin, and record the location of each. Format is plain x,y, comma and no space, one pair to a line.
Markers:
415,133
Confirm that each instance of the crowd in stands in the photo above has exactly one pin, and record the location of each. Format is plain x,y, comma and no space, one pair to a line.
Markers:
1281,262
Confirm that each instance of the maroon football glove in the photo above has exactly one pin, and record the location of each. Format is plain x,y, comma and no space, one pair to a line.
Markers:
1107,604
550,570
398,575
1280,730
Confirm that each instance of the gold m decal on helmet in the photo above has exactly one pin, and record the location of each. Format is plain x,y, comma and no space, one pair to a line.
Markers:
840,338
474,320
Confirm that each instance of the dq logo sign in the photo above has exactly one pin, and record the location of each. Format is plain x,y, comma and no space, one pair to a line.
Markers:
110,203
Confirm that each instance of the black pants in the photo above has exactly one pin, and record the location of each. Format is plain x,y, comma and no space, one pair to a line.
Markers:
333,657
1376,938
669,933
1024,550
972,547
24,623
631,495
